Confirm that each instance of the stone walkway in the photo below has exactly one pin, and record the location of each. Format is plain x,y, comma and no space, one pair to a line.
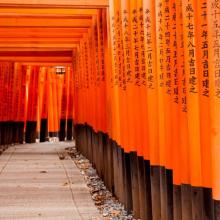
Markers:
36,184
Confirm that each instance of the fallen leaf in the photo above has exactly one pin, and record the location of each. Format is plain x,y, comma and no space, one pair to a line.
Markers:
43,171
65,184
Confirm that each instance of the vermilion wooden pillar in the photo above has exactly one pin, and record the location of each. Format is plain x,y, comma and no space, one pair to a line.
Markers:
63,114
44,106
70,105
31,123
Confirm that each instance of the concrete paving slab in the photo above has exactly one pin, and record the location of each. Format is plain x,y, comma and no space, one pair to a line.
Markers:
36,184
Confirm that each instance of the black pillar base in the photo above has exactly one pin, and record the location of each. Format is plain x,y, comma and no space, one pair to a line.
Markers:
208,205
155,192
53,134
31,132
43,130
62,132
135,184
186,201
146,190
20,132
127,183
69,129
217,210
15,132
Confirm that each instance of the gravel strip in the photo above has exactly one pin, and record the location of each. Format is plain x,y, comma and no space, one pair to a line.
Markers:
108,205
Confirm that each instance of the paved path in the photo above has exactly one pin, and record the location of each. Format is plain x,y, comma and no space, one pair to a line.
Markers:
36,184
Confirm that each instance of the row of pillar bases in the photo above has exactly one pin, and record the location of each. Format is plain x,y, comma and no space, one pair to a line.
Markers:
65,132
145,190
13,132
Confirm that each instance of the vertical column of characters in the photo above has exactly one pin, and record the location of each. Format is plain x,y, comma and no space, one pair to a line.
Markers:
191,69
80,86
97,72
88,75
83,82
168,80
122,99
127,75
161,55
149,10
94,71
92,77
177,70
120,63
202,48
144,149
184,142
109,72
214,80
115,72
80,100
86,63
74,95
103,68
100,92
105,65
98,76
76,87
135,51
121,75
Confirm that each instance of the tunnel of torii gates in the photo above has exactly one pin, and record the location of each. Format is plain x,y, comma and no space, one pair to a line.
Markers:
140,81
